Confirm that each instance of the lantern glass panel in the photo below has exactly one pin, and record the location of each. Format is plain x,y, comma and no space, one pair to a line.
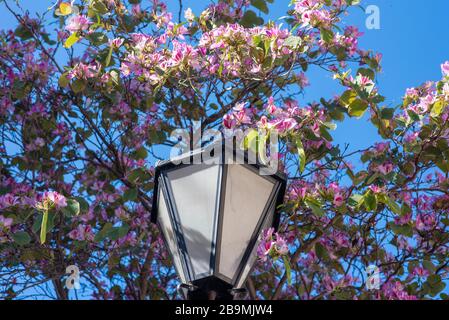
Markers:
253,257
246,197
195,189
167,230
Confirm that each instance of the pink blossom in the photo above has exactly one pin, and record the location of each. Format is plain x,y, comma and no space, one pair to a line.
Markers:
82,233
5,222
57,199
285,125
420,272
83,71
404,219
375,189
116,42
8,200
229,121
78,23
302,79
425,222
271,108
385,168
445,68
281,245
338,200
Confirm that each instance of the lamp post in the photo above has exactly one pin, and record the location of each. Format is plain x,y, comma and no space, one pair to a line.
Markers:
211,215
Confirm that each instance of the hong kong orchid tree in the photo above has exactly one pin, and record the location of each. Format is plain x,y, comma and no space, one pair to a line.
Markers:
91,91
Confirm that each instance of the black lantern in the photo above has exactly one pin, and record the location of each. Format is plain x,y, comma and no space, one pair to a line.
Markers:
211,213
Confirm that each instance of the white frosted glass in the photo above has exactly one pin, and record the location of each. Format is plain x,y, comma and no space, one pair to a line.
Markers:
195,190
167,230
247,194
252,259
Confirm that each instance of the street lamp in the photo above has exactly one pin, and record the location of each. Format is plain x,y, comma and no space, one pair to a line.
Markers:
211,215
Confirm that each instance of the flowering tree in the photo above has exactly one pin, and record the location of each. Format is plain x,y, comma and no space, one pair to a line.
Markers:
85,110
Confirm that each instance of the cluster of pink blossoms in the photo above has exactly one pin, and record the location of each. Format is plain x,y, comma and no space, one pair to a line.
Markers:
56,198
78,23
272,244
225,50
311,12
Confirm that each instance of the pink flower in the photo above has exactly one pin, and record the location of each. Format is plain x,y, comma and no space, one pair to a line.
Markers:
338,200
116,43
229,121
188,14
285,125
8,200
78,23
445,68
271,108
402,220
82,233
385,168
5,222
381,147
83,71
420,272
425,222
58,199
303,81
281,245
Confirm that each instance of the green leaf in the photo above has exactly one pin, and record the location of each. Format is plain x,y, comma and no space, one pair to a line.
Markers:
138,175
84,205
43,235
140,153
63,81
118,232
97,38
367,73
21,238
437,108
130,194
356,200
429,266
250,19
71,40
357,108
293,41
370,201
316,209
288,270
321,252
78,85
99,7
108,58
327,35
72,208
261,5
387,113
405,230
301,155
102,234
394,207
434,284
348,97
23,32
